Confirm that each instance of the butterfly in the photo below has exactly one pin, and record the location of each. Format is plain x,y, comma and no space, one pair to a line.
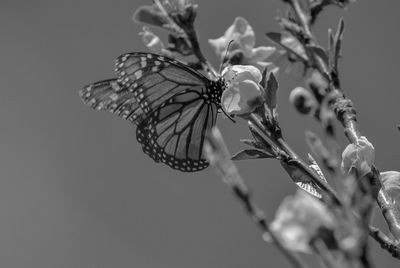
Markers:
173,106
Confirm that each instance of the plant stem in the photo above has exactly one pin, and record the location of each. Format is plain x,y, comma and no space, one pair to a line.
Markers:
218,155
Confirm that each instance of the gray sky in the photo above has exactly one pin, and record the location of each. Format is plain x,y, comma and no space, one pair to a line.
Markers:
76,189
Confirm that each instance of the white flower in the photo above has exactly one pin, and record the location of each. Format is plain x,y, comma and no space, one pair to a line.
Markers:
243,92
360,156
298,220
244,40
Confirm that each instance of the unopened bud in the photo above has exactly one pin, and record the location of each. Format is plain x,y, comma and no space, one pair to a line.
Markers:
303,100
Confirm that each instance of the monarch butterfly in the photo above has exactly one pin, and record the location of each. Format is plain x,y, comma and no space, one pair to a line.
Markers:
173,106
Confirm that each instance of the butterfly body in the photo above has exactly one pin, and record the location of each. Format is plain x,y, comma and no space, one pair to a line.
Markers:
173,106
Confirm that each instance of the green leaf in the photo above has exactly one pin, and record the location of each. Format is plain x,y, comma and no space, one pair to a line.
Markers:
251,154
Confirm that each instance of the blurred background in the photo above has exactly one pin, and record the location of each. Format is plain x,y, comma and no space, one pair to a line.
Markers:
76,189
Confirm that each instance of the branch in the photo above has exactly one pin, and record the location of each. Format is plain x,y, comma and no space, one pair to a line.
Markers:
295,160
346,114
385,242
218,155
184,25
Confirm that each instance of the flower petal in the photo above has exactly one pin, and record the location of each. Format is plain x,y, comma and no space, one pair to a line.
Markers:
261,53
230,100
242,98
244,34
218,44
241,33
299,218
236,73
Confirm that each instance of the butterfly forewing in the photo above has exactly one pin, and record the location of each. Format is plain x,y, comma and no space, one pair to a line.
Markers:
109,95
156,79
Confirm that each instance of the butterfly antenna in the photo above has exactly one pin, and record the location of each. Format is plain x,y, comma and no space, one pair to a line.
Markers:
229,116
225,56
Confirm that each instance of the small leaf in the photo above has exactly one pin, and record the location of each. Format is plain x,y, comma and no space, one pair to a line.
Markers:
264,79
321,53
303,181
391,182
331,46
295,173
274,36
271,89
253,143
251,154
313,164
338,43
310,188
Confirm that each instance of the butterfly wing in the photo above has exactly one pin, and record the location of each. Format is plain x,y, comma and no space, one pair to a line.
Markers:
155,79
109,95
177,108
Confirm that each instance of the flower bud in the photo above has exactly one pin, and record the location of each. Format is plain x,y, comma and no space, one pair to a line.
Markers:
318,84
359,156
303,100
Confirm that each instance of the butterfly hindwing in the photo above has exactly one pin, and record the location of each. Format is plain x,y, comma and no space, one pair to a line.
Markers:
109,95
174,134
